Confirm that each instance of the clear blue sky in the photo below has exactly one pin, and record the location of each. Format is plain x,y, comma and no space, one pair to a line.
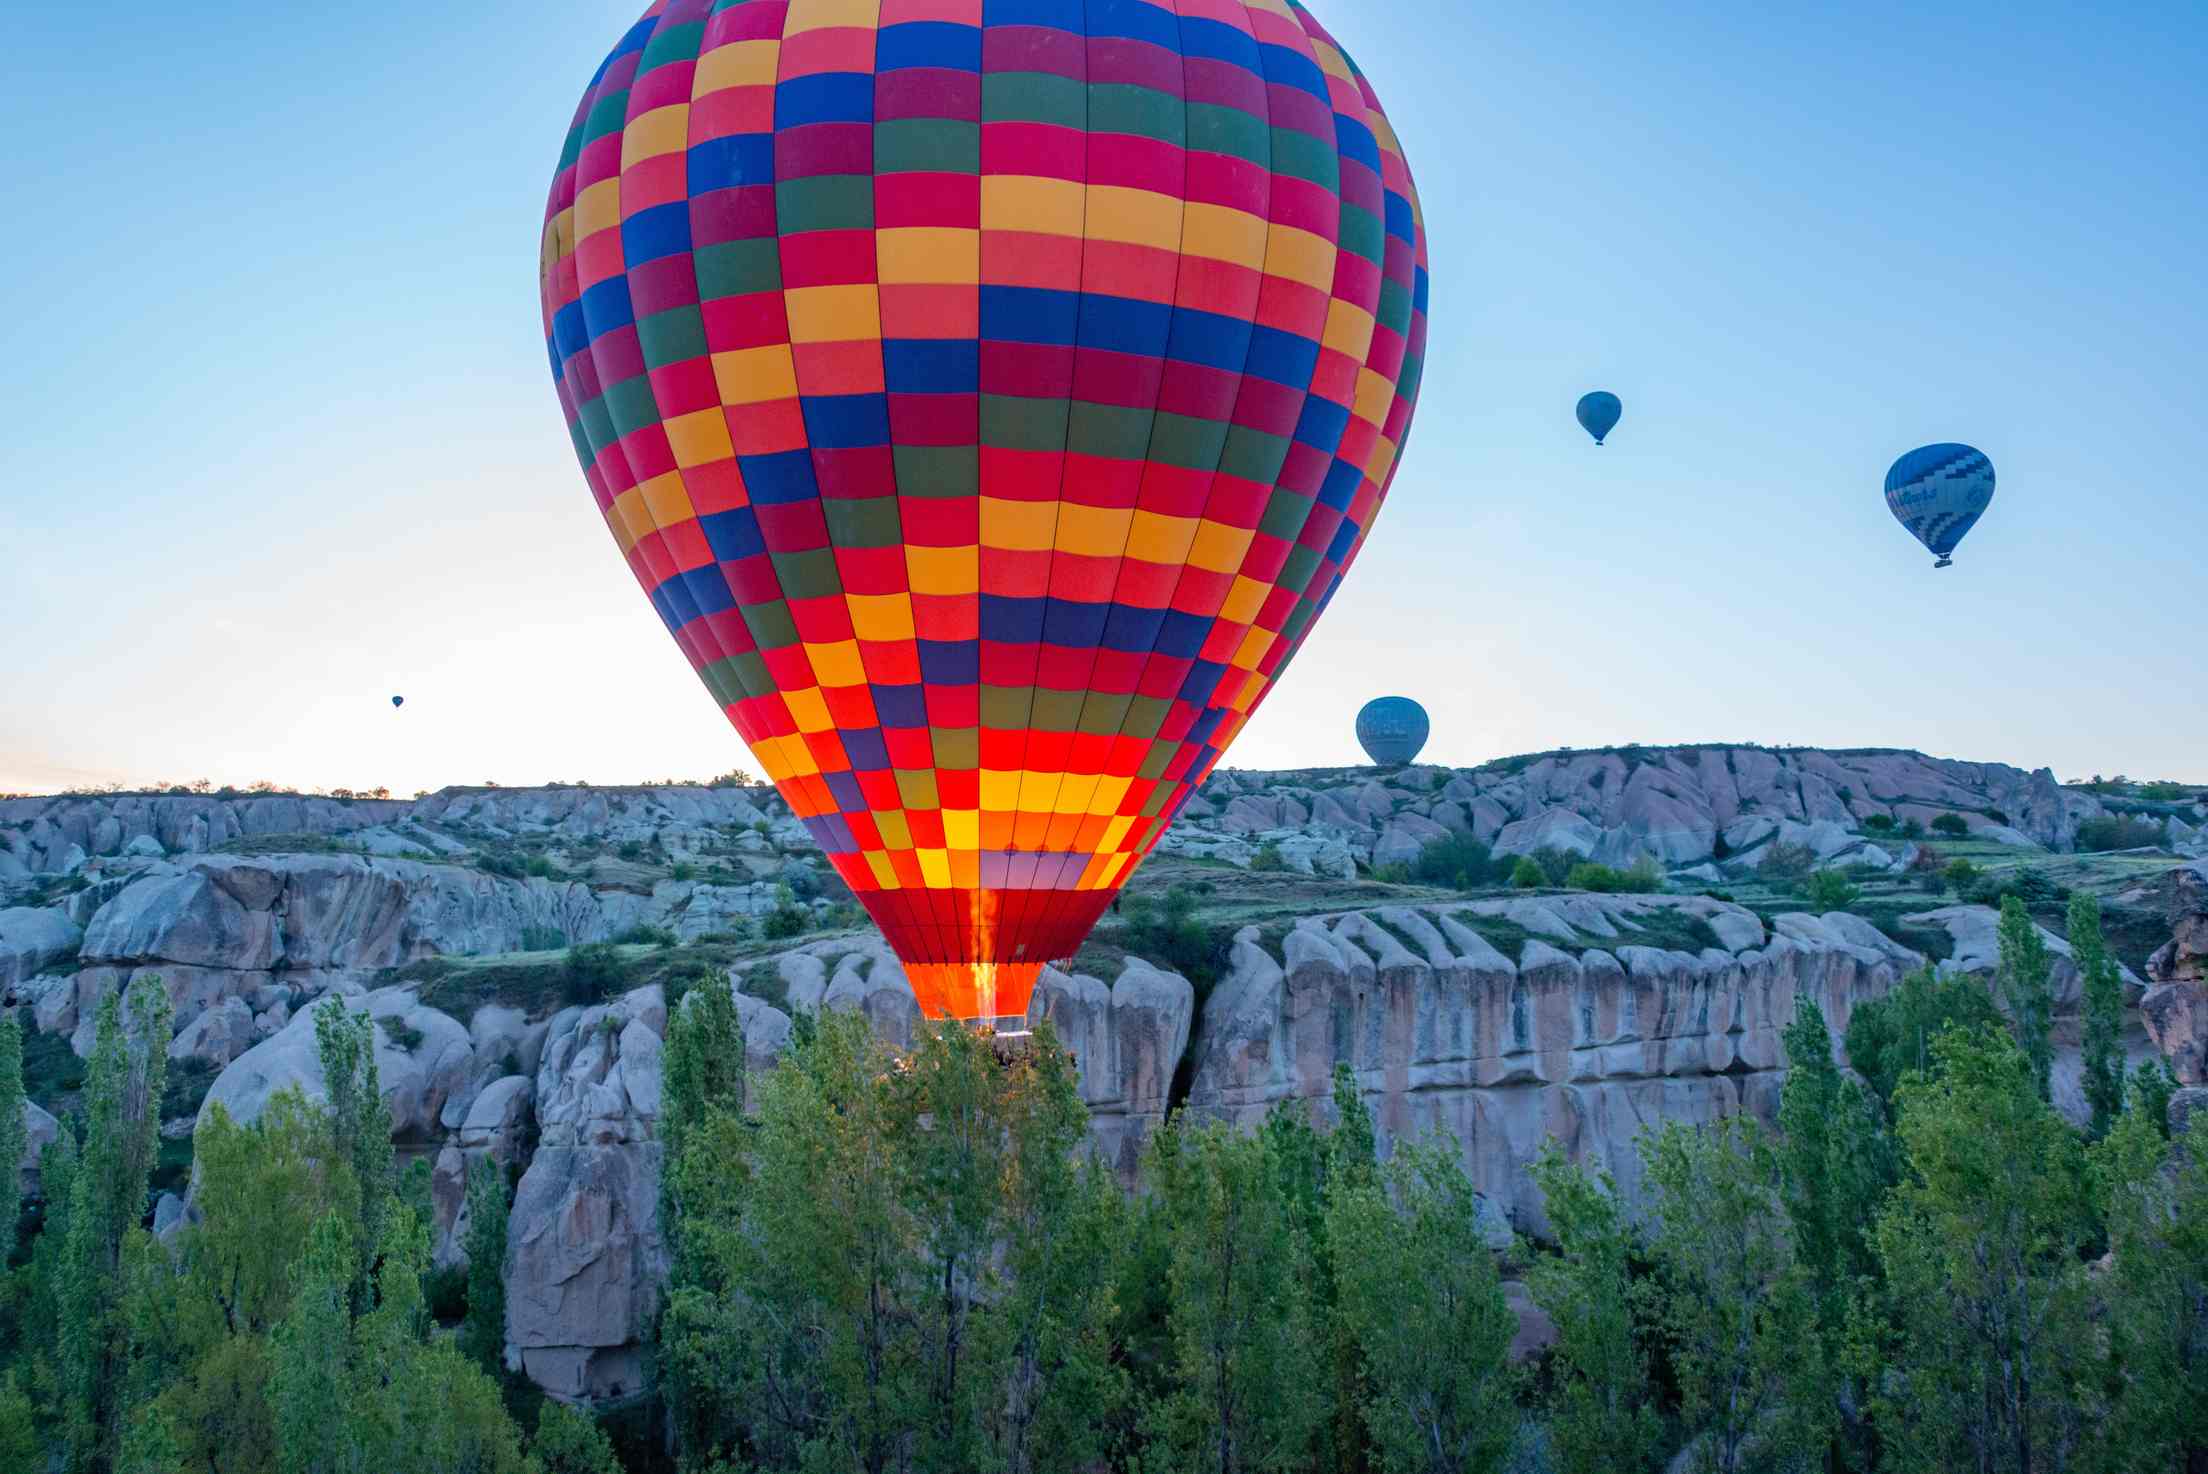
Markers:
282,442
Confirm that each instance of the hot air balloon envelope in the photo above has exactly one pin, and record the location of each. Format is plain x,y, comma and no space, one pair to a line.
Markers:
1392,729
989,399
1939,492
1599,413
398,701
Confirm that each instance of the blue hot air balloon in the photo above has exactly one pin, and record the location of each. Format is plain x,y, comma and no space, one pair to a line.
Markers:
1939,492
398,701
1598,413
1392,729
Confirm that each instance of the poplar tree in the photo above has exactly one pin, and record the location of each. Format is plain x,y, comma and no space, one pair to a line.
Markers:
1423,1311
1603,1420
2027,973
14,1132
2104,1014
107,1198
1737,1307
483,1336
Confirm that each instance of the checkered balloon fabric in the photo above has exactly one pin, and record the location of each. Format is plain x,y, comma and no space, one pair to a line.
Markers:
989,395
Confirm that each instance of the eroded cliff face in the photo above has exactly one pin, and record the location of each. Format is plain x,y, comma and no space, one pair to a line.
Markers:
1588,1037
1501,1021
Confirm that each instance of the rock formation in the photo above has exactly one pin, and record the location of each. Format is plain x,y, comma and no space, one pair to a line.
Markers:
1501,1019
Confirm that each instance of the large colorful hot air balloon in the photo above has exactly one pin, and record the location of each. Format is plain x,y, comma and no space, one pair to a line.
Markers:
1939,492
990,395
1598,413
1392,729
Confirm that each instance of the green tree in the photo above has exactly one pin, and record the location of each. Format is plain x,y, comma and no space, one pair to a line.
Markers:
19,1445
1055,1389
483,1336
2027,986
2152,1086
1603,1420
1991,1356
1839,1163
1737,1307
309,1381
1245,1394
107,1197
1890,1037
360,1130
1527,874
1436,1394
2104,1014
1830,890
569,1442
14,1133
2156,1293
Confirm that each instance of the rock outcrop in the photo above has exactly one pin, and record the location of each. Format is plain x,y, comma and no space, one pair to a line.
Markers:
1677,806
2175,1008
1588,1035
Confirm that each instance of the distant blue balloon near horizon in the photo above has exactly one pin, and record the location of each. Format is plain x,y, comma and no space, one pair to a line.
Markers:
1392,729
1939,492
1599,413
398,701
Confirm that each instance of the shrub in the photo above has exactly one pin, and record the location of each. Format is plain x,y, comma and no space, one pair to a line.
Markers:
1268,859
1171,932
787,919
404,1036
1456,861
1394,873
1829,890
2117,832
2163,793
1879,824
1555,864
1786,864
1643,878
684,870
594,972
537,867
1527,874
630,849
542,939
1954,826
647,936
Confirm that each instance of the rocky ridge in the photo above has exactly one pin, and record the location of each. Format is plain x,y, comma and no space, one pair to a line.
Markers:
1501,1019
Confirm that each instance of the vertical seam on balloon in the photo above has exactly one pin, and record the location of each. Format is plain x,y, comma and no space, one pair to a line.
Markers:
1248,352
1168,813
1334,582
1164,818
704,635
1023,896
1165,365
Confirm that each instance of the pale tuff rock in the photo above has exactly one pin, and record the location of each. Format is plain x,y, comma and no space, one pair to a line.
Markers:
1126,1040
2175,1008
31,940
39,833
1446,1033
417,1075
40,1130
1976,933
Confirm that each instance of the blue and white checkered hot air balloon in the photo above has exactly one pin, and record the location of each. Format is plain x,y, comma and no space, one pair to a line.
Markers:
1939,492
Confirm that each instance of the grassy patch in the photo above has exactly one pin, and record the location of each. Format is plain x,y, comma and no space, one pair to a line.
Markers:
1505,936
1667,929
52,1073
284,844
